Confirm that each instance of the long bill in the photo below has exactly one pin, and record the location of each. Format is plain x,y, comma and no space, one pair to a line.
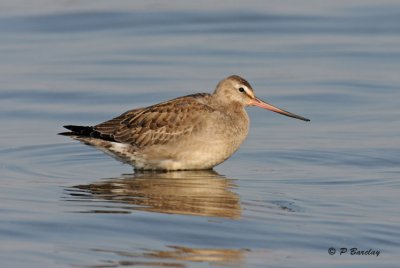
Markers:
267,106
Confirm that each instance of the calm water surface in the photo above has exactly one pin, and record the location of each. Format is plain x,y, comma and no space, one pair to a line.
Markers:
291,192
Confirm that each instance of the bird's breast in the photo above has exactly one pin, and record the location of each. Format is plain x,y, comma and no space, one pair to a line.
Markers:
230,131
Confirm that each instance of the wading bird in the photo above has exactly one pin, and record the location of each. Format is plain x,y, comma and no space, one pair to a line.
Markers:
197,131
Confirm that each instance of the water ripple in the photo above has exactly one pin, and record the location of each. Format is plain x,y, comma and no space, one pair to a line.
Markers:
211,22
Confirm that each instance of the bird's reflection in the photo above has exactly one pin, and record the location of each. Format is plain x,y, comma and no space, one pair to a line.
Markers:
199,193
175,256
196,254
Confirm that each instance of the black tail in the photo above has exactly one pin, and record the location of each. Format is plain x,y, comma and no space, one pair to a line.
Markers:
78,130
85,131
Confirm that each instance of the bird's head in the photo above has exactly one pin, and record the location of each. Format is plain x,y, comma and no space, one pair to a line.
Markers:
236,90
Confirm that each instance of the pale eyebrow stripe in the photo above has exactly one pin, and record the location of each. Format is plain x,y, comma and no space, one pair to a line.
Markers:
248,91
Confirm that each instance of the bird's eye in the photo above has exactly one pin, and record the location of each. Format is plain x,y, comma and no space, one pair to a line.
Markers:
241,89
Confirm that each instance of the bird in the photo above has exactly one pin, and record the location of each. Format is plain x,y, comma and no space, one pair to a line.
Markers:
193,132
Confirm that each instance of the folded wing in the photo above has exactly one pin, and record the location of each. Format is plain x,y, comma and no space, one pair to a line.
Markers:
159,124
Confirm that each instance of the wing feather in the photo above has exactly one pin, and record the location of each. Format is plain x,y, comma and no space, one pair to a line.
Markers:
157,124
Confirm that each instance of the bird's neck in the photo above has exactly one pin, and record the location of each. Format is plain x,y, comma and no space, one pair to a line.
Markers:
235,110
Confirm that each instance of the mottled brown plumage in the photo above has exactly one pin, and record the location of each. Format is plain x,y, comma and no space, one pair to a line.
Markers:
157,124
192,132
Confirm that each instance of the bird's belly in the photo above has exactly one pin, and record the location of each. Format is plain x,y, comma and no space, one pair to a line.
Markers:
206,157
186,155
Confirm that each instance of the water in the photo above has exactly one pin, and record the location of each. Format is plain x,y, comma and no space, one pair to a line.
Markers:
291,192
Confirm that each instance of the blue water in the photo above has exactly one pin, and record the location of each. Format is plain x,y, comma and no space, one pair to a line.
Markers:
291,192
